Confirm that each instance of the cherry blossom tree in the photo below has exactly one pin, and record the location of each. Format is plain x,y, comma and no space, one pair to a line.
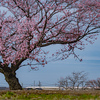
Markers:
35,24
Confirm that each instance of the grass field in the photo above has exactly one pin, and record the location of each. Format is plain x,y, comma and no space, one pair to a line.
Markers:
50,95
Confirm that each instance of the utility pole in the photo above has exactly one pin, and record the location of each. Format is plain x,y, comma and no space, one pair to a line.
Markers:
34,83
39,84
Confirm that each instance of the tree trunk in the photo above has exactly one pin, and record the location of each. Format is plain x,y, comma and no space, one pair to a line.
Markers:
12,80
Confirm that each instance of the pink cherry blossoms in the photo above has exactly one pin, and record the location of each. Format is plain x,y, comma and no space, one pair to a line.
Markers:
34,24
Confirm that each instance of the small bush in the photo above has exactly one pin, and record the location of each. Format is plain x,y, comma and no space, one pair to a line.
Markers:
8,95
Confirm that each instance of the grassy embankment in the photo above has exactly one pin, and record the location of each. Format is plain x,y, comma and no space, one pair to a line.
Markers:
50,95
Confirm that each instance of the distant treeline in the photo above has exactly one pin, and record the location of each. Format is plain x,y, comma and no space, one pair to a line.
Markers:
78,80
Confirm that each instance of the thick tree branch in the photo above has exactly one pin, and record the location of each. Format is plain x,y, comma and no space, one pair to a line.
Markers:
1,71
19,6
16,66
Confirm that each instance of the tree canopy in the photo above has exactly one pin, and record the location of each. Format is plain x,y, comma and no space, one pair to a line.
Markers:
34,24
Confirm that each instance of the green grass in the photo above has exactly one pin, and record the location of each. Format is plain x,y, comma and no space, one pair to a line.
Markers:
49,95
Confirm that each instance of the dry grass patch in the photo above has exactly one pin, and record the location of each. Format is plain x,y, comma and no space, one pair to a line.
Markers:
50,95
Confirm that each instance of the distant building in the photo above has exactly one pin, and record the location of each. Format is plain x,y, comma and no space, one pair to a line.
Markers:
4,88
44,88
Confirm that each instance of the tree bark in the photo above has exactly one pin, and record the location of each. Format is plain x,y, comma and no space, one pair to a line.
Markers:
12,80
